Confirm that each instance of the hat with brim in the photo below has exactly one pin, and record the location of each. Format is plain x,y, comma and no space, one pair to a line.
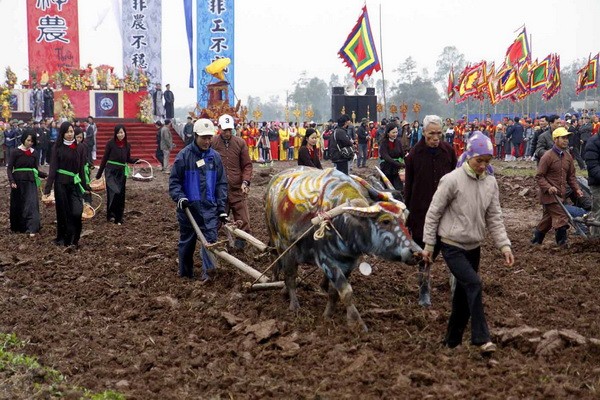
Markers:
204,127
559,132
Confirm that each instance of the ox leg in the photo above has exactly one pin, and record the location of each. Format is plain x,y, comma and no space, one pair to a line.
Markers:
424,284
290,270
333,297
344,290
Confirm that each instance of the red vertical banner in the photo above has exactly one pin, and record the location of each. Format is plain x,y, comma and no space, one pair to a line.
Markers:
52,35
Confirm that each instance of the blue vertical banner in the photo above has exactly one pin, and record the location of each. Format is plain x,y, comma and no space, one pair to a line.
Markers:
215,30
187,11
141,30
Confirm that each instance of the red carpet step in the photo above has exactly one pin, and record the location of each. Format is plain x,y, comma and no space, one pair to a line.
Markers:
141,137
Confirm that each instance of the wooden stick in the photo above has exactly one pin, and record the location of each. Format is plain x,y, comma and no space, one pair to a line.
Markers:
334,212
268,285
242,266
246,236
203,240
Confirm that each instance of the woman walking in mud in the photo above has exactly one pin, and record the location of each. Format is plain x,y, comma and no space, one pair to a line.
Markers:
116,156
68,178
464,205
24,177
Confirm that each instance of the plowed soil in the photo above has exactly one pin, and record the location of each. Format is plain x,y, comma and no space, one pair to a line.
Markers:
115,315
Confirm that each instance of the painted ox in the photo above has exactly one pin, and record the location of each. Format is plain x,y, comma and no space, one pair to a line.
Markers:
370,222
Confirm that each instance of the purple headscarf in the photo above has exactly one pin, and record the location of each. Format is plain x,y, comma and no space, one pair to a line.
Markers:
477,145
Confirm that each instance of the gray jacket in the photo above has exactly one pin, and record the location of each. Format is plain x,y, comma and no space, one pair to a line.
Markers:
544,144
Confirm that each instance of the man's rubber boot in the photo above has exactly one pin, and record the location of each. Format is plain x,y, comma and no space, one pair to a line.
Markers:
561,235
538,237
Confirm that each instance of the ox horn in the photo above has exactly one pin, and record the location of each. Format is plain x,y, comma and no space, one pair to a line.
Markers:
385,179
370,211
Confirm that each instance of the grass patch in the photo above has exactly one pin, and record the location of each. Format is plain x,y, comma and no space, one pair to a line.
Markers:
23,377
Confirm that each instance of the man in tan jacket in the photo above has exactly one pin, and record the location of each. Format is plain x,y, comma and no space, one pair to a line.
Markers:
238,165
555,170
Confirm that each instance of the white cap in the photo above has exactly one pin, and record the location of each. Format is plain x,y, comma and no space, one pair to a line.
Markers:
204,127
226,122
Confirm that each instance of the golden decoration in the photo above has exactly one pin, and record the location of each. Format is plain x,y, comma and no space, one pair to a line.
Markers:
393,109
309,113
257,114
379,107
416,108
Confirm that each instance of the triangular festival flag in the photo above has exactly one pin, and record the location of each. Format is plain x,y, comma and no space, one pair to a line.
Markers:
519,50
359,52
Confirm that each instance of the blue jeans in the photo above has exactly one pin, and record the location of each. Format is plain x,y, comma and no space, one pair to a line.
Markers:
361,159
208,223
467,301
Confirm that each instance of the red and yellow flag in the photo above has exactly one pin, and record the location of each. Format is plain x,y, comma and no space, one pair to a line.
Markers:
358,51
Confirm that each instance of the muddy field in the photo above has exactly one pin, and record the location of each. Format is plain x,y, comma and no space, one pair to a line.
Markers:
115,315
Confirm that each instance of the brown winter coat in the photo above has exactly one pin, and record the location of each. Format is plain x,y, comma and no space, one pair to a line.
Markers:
237,163
555,170
423,171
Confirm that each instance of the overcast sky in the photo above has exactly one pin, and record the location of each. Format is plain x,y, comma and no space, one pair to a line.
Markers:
277,40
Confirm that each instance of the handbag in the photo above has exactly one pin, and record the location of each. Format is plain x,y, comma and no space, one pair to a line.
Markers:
347,152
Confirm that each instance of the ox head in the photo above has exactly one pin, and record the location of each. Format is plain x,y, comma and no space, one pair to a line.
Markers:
379,229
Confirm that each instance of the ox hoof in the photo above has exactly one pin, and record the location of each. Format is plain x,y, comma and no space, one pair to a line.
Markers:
425,301
358,324
328,313
294,305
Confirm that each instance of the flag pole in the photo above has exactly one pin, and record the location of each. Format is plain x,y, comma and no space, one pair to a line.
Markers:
382,69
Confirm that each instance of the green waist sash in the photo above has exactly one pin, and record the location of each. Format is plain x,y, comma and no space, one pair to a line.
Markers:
76,178
120,164
35,172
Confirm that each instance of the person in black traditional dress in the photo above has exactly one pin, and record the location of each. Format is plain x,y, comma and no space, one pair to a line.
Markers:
80,140
68,178
116,156
308,154
24,177
392,155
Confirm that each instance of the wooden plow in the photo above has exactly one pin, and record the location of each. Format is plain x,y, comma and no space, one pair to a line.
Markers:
575,221
261,280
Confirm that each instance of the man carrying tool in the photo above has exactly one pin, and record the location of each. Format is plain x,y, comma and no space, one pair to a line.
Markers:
198,182
554,166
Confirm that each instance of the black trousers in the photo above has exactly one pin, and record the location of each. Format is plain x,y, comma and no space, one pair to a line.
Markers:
342,166
24,208
69,207
467,301
115,194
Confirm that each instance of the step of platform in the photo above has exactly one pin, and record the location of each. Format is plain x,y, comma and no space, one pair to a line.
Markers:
141,137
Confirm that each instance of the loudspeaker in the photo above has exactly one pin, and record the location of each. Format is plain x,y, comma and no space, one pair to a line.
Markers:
337,90
371,92
358,104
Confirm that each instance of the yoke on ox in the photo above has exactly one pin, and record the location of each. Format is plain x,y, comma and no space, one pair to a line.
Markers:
362,221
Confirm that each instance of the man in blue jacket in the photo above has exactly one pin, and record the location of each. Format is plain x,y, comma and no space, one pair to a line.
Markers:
198,182
592,161
515,134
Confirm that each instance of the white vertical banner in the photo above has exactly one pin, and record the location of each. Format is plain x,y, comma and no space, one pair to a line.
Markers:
141,29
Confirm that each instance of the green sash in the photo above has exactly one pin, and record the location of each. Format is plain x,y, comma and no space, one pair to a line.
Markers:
86,172
120,164
36,174
76,178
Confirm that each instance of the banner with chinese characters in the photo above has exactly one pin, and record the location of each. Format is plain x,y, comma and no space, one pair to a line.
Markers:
52,35
215,22
142,26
